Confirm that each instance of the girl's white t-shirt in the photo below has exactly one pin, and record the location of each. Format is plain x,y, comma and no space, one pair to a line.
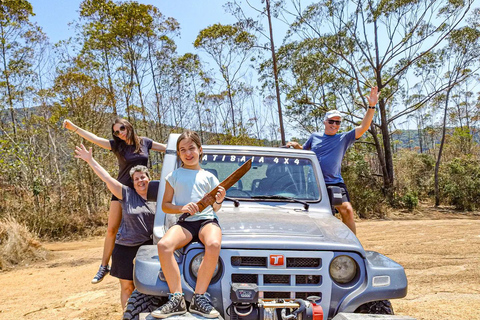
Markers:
190,186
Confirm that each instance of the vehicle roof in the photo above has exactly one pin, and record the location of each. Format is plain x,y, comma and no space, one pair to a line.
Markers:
256,149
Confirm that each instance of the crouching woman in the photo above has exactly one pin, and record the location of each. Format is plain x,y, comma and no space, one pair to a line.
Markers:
136,227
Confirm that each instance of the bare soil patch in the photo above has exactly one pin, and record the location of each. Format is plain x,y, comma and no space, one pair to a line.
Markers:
441,256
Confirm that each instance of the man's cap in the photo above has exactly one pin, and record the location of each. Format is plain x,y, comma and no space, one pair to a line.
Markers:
332,113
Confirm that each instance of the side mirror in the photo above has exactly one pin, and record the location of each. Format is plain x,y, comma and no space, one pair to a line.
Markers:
152,191
335,195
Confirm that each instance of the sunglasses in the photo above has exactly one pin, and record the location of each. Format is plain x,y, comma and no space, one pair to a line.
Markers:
122,128
337,122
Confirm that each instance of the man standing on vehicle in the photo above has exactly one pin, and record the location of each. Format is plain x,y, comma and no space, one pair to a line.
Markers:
330,148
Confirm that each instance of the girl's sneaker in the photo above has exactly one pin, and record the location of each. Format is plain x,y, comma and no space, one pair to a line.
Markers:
201,305
174,305
102,272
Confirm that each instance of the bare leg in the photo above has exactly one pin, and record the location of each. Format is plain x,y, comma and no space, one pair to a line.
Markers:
346,211
211,237
114,219
126,289
175,238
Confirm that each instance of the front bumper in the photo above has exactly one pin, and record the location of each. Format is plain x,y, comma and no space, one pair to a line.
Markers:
379,278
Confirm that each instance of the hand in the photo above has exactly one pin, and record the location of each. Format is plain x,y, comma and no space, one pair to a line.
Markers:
373,98
190,208
293,144
67,124
220,196
83,153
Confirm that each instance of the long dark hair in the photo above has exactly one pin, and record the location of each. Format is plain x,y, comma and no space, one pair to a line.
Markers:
132,138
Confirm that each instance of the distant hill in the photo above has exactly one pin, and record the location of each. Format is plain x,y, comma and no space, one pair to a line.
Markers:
408,139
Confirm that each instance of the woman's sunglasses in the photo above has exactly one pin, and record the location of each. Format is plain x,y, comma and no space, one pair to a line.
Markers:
337,122
122,128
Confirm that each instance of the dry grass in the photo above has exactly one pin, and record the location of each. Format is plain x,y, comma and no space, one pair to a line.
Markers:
17,244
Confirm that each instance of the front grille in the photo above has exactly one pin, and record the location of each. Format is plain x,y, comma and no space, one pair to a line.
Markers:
276,279
286,295
304,273
303,262
244,278
249,261
276,295
308,279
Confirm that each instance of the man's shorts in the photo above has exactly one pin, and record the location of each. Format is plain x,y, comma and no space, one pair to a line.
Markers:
194,227
345,195
122,260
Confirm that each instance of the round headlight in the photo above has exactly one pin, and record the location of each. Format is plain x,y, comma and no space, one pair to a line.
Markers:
343,269
197,261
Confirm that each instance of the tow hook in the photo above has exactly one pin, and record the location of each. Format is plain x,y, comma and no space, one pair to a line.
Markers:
294,314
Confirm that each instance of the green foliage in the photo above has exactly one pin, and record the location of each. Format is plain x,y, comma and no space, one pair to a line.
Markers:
410,200
123,61
228,35
364,189
460,183
460,142
415,175
231,47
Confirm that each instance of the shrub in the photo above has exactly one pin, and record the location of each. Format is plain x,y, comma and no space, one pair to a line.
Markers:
410,200
414,175
460,183
363,185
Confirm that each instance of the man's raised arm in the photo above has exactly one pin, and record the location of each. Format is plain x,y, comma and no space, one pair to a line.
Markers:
367,119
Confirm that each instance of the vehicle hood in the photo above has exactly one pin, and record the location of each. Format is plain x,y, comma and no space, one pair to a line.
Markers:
284,227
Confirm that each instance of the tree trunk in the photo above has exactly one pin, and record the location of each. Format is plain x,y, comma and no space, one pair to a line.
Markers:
437,163
231,108
386,157
111,92
275,75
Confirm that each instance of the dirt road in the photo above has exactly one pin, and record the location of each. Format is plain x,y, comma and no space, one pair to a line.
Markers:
441,259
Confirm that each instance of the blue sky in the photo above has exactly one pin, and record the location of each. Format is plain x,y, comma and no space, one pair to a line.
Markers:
193,15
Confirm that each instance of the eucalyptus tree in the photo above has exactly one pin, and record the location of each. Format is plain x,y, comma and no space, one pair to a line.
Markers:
231,47
99,41
188,71
269,9
378,43
19,37
310,83
461,62
87,104
160,54
135,26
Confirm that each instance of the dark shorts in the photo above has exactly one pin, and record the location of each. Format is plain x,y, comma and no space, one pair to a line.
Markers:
194,227
345,195
122,260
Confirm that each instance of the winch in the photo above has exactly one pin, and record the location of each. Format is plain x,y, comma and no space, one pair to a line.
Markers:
246,305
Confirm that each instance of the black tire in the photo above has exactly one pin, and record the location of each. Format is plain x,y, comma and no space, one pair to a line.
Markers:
376,307
139,302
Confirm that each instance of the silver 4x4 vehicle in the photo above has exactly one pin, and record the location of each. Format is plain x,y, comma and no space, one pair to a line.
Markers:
284,255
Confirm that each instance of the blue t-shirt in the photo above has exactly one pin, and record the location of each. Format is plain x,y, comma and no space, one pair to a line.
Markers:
330,151
138,216
190,186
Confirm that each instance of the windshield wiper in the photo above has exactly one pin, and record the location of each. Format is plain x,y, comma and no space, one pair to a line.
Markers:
305,204
236,203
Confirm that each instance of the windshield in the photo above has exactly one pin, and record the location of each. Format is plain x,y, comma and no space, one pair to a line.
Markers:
269,176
